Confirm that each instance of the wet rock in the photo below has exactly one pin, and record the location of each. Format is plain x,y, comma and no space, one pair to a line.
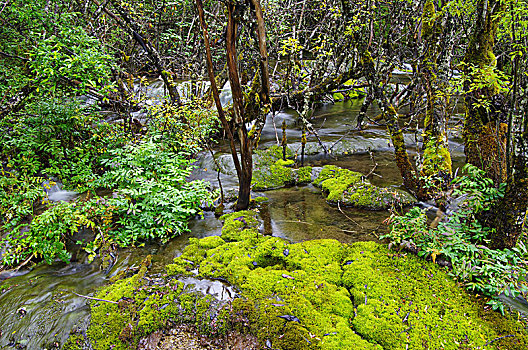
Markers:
272,172
350,189
151,342
186,338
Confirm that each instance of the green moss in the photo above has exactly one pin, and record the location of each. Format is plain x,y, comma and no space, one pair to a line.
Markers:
303,175
287,162
336,296
272,177
277,279
261,199
403,302
349,189
371,197
437,158
144,307
271,172
271,155
333,172
358,296
75,342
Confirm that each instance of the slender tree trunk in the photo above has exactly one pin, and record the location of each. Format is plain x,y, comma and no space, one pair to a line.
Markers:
246,156
214,90
436,157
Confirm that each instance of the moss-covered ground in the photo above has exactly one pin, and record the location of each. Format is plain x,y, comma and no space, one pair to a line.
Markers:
323,294
318,294
349,188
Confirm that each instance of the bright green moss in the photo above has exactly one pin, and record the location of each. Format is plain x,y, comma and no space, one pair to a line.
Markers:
287,162
414,302
336,296
368,196
335,172
278,278
303,175
75,342
271,172
271,155
144,307
261,199
349,189
272,177
344,297
437,159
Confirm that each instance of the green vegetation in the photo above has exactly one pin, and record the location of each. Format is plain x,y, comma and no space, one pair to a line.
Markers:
464,241
150,197
76,110
135,307
349,188
271,172
343,296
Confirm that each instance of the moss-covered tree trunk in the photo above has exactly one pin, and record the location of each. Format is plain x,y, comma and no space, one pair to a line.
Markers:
486,129
484,126
509,215
436,157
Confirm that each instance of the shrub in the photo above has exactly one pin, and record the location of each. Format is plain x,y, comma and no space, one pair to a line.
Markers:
463,240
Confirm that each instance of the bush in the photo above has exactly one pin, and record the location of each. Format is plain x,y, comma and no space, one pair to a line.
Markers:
152,198
463,240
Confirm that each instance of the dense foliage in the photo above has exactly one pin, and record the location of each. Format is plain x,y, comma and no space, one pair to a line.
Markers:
463,242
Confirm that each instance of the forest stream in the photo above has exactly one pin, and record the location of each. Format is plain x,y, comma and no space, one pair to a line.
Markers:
41,306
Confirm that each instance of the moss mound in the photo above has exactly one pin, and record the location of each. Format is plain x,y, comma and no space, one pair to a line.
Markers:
322,294
271,172
137,306
350,189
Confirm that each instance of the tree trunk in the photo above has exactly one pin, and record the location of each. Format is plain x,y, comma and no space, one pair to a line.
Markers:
509,215
436,157
484,125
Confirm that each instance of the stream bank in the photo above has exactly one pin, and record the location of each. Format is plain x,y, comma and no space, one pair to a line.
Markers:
318,294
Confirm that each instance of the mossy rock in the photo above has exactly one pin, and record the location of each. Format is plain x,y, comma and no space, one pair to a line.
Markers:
75,342
367,196
404,302
348,188
272,177
271,155
291,292
271,172
303,175
135,307
323,294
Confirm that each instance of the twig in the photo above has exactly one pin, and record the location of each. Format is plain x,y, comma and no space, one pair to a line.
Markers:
499,338
348,217
371,172
97,299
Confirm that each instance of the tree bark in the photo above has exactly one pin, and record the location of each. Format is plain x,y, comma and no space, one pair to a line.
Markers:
436,157
214,90
246,156
485,129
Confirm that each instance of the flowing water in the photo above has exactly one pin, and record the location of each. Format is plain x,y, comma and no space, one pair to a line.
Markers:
39,308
